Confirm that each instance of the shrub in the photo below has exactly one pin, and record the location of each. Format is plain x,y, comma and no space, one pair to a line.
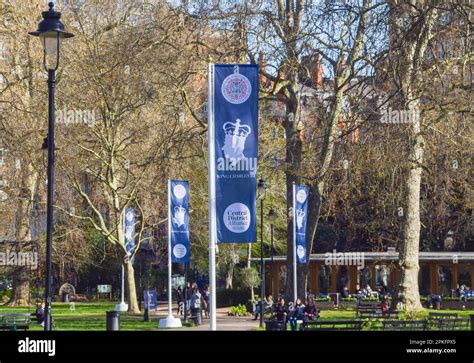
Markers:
239,310
5,296
322,299
451,299
348,299
370,299
411,315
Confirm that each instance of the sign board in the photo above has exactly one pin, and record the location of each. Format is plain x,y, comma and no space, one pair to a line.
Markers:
104,289
150,299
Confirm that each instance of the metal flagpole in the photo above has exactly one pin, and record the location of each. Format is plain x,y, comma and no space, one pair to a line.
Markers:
170,311
170,321
122,306
122,301
212,198
295,286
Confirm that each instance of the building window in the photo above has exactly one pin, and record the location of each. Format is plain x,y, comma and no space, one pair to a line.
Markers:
325,279
464,277
365,277
382,275
445,278
425,280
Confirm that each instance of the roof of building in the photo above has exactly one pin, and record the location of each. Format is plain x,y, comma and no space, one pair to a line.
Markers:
387,256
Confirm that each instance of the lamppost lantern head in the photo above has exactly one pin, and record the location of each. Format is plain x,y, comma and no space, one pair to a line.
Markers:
271,214
51,32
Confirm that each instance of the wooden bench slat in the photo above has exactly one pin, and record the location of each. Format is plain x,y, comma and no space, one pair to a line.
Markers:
332,325
399,325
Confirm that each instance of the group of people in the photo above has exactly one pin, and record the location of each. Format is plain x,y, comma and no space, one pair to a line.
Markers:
196,302
290,313
367,292
463,292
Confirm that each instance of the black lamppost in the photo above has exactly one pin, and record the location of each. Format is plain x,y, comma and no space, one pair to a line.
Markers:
261,194
51,32
271,217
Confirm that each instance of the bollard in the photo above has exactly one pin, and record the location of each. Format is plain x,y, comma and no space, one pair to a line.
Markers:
472,322
113,320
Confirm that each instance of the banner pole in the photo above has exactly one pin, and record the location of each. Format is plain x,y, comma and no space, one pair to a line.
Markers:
295,283
170,321
170,311
212,198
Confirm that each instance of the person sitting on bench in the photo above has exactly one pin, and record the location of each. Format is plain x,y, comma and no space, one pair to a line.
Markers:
281,311
40,313
296,314
310,311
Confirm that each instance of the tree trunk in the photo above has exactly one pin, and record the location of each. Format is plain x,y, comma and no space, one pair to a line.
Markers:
229,277
409,290
314,208
21,287
131,289
249,256
409,55
21,274
293,161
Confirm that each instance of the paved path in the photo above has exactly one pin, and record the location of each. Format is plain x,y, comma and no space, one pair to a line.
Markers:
227,323
224,322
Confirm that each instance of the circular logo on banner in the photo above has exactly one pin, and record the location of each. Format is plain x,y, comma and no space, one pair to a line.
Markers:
236,88
301,196
179,191
301,252
179,250
237,218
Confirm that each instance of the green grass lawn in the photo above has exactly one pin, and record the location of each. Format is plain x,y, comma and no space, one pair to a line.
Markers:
85,316
351,314
91,316
375,324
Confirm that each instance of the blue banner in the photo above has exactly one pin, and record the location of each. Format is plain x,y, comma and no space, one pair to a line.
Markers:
129,229
150,299
235,122
179,223
300,214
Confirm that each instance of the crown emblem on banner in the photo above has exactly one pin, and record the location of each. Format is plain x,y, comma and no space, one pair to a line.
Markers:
235,136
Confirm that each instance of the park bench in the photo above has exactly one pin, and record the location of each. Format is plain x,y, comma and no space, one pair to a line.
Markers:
438,316
15,322
373,310
332,325
435,318
403,325
369,309
450,324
